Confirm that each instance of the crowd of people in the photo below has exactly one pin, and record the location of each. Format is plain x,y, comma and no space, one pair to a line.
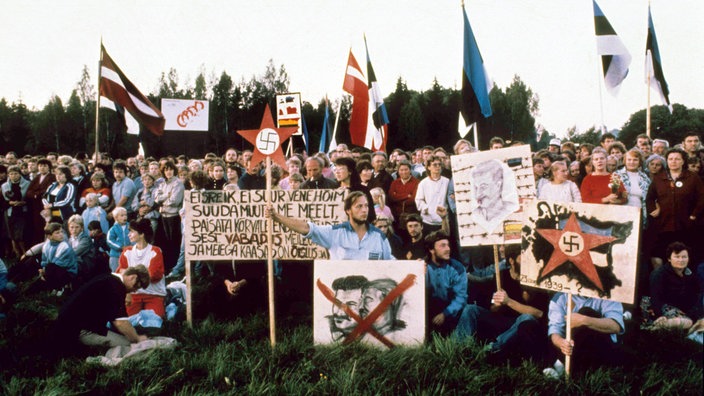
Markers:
106,230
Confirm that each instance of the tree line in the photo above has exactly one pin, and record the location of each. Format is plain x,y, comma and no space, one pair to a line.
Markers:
417,118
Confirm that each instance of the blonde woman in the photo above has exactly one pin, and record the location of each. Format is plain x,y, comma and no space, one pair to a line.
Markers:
559,188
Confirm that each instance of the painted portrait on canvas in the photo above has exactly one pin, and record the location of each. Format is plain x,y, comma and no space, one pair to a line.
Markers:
490,187
363,301
585,249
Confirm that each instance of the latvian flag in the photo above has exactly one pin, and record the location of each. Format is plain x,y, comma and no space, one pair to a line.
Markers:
377,134
615,58
116,87
355,84
475,84
653,64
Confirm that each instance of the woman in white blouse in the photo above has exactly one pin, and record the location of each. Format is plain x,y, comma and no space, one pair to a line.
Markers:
635,180
560,189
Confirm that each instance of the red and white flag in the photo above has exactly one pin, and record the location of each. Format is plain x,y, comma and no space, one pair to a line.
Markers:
356,85
116,87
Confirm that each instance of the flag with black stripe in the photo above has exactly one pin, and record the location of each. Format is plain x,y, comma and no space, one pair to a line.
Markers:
653,64
615,58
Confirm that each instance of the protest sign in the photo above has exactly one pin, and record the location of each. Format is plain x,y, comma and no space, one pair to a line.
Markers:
490,189
185,115
585,249
373,302
225,225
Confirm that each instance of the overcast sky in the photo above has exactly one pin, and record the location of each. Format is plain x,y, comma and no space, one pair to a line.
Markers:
550,44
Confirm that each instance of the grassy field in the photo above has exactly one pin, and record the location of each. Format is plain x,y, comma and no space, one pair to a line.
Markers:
235,358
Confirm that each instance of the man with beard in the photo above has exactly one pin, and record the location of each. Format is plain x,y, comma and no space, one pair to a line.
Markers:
413,247
354,239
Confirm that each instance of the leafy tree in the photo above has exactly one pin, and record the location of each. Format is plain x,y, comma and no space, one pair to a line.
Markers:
86,93
15,128
671,127
412,123
201,90
440,124
394,103
73,131
514,112
591,135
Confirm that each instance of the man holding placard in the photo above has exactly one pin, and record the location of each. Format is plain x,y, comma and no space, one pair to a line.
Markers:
595,326
354,239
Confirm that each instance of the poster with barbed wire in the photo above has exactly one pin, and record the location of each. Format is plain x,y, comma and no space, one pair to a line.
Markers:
491,187
586,249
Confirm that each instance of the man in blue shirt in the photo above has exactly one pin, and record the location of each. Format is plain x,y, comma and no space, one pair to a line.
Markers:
446,283
354,239
123,189
595,326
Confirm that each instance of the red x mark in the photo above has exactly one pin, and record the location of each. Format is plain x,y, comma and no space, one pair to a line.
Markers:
365,325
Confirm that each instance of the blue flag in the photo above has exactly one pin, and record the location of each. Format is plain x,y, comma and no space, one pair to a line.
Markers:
305,131
475,85
324,135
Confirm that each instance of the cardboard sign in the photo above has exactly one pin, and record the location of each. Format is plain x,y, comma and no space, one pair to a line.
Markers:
379,303
490,188
288,110
226,225
185,115
586,249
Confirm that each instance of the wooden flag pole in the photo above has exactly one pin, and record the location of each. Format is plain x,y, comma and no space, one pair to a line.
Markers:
189,297
96,154
568,358
269,258
496,267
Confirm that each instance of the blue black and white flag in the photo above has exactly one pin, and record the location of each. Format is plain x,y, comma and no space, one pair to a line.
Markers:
615,58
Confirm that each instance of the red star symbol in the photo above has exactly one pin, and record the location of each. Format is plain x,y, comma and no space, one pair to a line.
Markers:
571,244
267,140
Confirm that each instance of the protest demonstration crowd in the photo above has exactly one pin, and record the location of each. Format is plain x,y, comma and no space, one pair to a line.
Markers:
109,236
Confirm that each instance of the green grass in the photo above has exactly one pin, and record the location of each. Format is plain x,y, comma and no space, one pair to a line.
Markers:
235,358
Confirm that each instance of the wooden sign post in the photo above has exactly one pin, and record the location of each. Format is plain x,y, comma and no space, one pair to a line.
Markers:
580,249
267,142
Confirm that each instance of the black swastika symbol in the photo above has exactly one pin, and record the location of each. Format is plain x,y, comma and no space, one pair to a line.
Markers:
267,141
571,243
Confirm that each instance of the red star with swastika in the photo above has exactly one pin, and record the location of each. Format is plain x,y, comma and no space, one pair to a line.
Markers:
267,140
571,244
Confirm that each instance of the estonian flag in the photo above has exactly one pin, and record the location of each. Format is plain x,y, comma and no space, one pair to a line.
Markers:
377,133
475,84
615,58
116,87
653,64
322,147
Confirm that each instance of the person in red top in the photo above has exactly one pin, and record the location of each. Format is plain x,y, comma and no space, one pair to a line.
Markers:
402,193
596,186
99,186
142,252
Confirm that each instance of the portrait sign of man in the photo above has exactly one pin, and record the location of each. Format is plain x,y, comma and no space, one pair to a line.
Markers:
494,191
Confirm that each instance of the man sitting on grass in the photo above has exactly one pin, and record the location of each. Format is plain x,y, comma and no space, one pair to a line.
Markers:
446,284
84,316
513,321
596,323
